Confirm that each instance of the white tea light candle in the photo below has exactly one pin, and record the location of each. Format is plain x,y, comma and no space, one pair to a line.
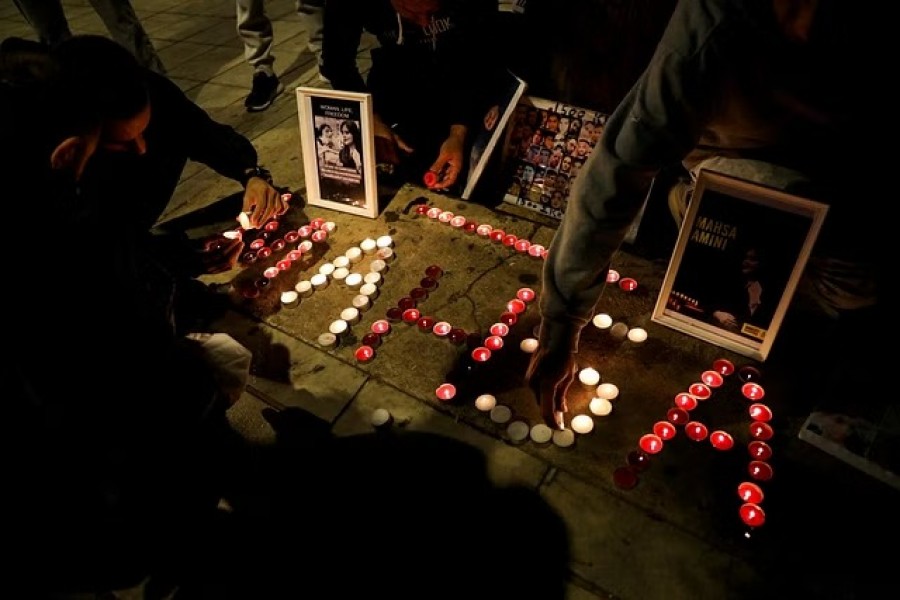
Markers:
541,434
341,262
304,288
637,334
327,340
589,376
517,431
619,330
485,402
369,289
609,391
368,245
563,438
602,321
341,273
384,241
290,298
582,424
600,406
354,254
350,314
338,327
353,280
360,302
319,281
528,345
326,269
500,414
380,417
373,278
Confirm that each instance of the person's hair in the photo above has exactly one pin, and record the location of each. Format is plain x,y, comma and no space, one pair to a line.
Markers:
321,129
353,128
101,77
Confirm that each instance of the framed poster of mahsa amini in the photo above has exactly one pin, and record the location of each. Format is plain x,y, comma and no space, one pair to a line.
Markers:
741,250
337,144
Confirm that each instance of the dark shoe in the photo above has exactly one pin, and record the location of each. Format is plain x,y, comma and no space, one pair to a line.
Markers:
264,91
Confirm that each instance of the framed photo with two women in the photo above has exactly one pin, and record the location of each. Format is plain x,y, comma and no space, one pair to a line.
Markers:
337,143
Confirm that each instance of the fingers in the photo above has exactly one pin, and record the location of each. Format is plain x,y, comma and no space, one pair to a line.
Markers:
401,143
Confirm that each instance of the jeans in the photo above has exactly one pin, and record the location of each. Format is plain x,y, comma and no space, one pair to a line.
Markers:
255,30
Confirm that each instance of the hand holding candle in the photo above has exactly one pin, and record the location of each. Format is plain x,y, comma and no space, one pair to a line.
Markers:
220,253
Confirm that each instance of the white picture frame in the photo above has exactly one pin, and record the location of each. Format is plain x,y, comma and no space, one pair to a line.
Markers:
732,228
343,180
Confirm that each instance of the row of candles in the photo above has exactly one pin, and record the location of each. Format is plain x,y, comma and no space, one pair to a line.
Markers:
760,452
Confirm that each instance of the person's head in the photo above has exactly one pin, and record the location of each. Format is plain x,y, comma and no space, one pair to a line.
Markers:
417,11
105,81
552,123
565,164
350,133
751,262
324,133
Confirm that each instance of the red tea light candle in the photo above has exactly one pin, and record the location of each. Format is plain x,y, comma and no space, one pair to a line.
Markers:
625,478
612,276
271,272
509,240
458,221
445,391
721,440
696,431
287,197
457,336
515,306
723,367
752,514
628,284
638,460
371,339
381,327
278,245
537,251
685,401
250,292
761,431
425,323
481,354
651,443
509,318
497,235
753,391
411,315
700,391
264,252
434,272
665,430
317,223
406,302
434,212
470,227
418,294
526,294
422,209
522,246
760,470
500,329
257,244
428,283
760,412
484,230
446,216
759,450
271,225
748,373
750,492
305,231
493,342
394,314
328,226
365,353
441,328
283,265
294,255
319,236
305,246
713,379
249,257
678,416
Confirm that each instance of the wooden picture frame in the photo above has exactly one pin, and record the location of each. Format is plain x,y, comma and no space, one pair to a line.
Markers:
741,250
337,176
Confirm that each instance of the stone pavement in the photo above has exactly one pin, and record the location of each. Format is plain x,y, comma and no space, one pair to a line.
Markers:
677,534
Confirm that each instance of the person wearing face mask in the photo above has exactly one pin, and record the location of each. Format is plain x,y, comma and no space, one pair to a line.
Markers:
429,77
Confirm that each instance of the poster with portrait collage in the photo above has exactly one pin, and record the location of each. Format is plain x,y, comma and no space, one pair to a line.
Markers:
546,145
